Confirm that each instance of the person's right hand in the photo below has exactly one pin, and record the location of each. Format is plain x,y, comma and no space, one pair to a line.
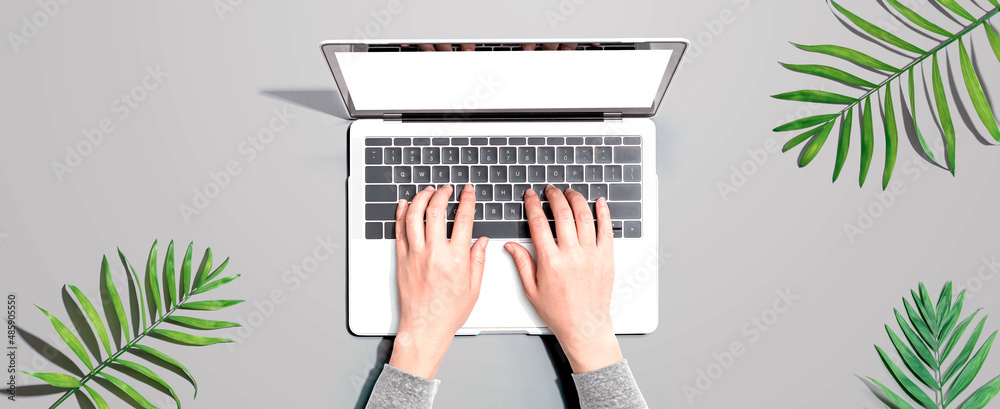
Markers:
571,283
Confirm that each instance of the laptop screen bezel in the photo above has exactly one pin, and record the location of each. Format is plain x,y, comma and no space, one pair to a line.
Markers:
677,46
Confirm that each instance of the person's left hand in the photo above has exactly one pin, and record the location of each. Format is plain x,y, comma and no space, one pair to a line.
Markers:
438,278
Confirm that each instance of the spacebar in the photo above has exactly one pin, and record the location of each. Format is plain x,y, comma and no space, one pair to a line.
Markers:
498,230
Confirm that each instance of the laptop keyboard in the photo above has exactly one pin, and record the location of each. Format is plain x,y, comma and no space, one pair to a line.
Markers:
501,169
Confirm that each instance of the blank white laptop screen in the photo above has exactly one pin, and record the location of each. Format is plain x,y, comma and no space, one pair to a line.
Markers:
504,80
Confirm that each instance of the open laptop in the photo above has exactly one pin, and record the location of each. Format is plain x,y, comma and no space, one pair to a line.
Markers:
504,119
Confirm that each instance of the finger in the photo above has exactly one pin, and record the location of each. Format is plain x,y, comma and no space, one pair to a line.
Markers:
595,44
443,47
565,226
435,229
425,47
462,232
550,46
525,267
528,46
401,244
584,218
468,47
477,256
568,46
538,224
605,236
415,217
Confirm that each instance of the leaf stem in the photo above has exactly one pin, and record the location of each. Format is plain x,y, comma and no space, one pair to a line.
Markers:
933,51
124,349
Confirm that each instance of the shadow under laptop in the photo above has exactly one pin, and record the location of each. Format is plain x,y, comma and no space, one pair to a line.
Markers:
324,100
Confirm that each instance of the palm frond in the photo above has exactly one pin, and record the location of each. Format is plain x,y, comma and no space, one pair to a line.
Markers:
175,296
925,382
941,108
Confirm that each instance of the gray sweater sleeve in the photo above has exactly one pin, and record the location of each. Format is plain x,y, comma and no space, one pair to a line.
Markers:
610,387
398,389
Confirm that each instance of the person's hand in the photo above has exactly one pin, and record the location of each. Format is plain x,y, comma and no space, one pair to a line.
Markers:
571,283
438,279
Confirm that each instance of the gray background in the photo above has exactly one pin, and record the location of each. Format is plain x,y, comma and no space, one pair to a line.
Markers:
723,258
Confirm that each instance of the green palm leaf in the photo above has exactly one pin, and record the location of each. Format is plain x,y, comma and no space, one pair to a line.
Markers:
913,116
895,398
844,144
994,39
916,367
171,302
820,97
976,92
919,325
953,341
918,19
185,284
926,308
830,73
957,9
904,382
970,371
943,306
867,140
944,114
954,313
918,345
963,356
890,138
877,32
802,123
983,395
812,148
848,54
218,270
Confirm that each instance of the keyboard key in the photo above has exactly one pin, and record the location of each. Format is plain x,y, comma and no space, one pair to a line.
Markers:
526,155
632,173
498,141
547,155
547,209
555,173
484,193
440,174
380,211
460,174
561,186
411,156
449,155
564,155
451,211
378,174
390,230
512,211
613,140
421,174
503,193
378,142
574,140
488,155
421,141
498,174
494,211
583,189
626,191
402,174
453,192
594,140
501,230
556,140
598,190
536,141
459,141
633,229
393,156
517,174
536,173
432,156
380,193
540,191
470,155
574,173
613,173
508,154
602,154
616,228
401,141
406,192
519,192
439,141
585,154
373,230
594,173
632,140
625,210
628,154
373,156
479,211
479,174
480,141
422,187
517,141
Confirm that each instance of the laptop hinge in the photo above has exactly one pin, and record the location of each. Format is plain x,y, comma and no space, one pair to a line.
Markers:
612,116
392,117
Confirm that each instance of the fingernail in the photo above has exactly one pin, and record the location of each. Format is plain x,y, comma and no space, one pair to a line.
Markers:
429,188
508,247
569,189
549,187
529,192
601,202
467,186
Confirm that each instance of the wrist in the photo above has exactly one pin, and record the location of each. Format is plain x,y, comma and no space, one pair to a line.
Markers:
419,355
586,354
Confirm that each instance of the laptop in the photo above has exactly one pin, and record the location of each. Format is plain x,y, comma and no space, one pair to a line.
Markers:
504,119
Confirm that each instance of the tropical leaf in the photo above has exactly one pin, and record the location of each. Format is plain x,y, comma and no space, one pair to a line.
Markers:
941,107
923,357
175,296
